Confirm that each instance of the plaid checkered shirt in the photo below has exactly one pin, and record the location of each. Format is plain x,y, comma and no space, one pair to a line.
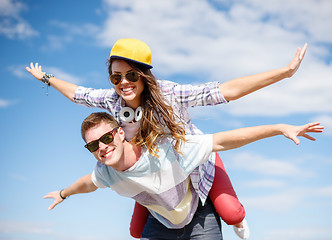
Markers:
180,97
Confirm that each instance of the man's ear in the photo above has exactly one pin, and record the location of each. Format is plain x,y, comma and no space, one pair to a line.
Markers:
121,134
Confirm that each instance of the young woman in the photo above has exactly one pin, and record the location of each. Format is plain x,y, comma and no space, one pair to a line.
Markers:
148,108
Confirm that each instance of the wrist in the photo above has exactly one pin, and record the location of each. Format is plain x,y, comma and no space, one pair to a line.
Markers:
280,128
62,195
46,79
288,71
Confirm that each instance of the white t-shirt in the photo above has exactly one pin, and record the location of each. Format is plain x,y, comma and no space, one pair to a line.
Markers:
161,184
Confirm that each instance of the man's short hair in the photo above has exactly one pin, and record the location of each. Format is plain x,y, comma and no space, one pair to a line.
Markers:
95,119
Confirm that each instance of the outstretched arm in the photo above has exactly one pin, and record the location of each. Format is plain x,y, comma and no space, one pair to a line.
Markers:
82,185
240,87
223,141
66,88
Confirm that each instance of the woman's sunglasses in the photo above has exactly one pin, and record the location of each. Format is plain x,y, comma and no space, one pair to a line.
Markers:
107,138
131,76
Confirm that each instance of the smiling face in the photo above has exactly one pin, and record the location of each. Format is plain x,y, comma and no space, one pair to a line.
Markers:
111,154
129,91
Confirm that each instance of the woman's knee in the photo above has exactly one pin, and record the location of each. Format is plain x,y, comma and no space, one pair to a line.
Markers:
229,209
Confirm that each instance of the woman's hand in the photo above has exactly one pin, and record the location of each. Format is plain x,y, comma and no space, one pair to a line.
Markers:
295,64
36,71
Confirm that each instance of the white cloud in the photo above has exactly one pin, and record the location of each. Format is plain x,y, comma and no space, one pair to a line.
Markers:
204,113
18,177
307,92
266,183
312,17
63,75
250,37
18,71
11,8
324,191
17,29
8,227
288,198
57,42
256,163
71,34
305,233
278,202
38,230
12,25
80,30
325,120
6,103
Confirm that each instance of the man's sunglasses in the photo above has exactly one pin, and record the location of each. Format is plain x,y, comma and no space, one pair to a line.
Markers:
107,138
131,76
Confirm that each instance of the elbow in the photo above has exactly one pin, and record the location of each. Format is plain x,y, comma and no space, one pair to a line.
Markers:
219,148
233,94
230,94
232,97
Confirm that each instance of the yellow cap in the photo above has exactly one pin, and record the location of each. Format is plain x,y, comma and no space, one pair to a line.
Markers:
133,50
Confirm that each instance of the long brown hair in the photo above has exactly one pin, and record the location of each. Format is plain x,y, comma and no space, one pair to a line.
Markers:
159,118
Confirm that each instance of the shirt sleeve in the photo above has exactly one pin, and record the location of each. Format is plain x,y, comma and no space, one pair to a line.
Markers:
100,98
97,176
195,151
198,95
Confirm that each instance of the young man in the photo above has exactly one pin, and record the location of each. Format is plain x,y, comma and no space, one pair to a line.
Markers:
163,184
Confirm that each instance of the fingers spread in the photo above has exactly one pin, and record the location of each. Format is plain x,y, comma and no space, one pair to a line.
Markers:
314,127
309,137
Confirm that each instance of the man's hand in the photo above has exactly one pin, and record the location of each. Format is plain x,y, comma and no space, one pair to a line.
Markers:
292,132
36,71
57,199
295,64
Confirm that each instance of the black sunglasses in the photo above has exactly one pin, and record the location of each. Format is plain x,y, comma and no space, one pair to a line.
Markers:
107,138
131,76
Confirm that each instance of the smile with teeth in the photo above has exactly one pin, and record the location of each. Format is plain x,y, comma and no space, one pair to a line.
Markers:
108,153
127,89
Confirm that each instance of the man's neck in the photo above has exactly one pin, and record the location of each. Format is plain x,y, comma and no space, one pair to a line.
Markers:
132,153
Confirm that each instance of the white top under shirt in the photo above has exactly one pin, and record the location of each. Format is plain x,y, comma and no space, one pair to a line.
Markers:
161,184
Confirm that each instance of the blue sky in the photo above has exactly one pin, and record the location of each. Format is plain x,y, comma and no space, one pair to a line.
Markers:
286,189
